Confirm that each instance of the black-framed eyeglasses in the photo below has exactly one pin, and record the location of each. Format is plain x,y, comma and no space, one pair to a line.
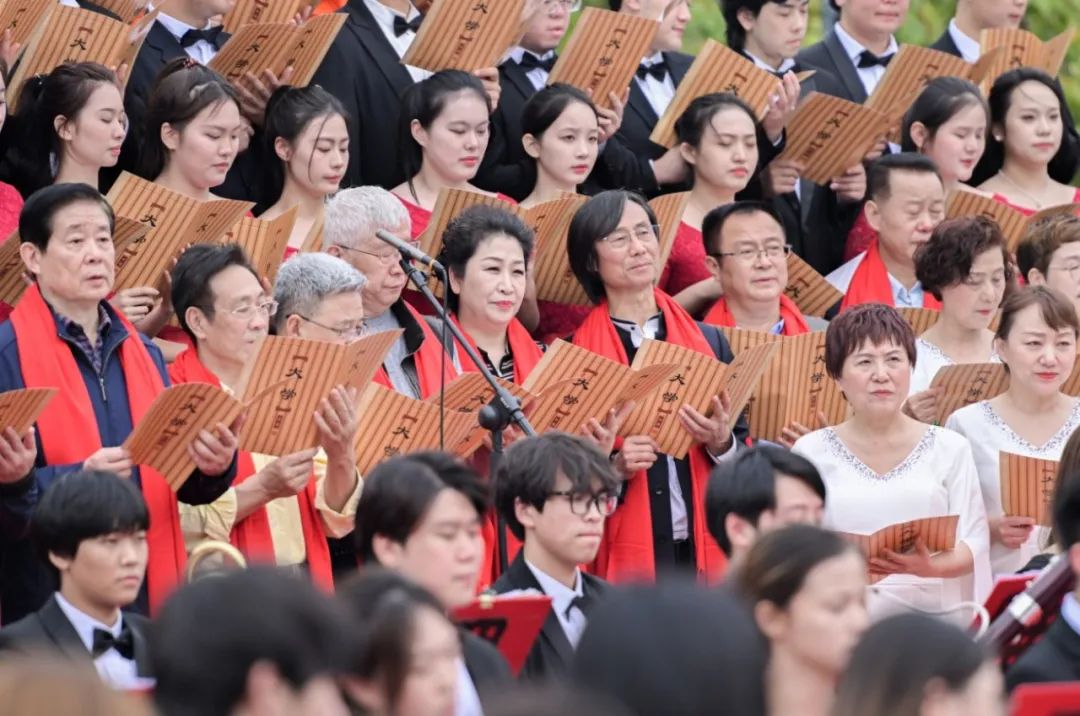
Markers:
580,502
748,255
348,333
386,258
620,238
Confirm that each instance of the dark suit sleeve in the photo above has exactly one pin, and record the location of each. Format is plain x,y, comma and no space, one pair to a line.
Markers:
487,667
516,179
618,167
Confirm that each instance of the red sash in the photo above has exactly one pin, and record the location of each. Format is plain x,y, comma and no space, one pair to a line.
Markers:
252,535
870,284
626,552
428,359
69,432
794,322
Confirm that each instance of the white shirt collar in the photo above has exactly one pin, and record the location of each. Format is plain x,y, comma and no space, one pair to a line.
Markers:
176,28
786,65
385,16
85,624
561,595
69,3
906,297
1070,612
854,48
969,48
653,59
638,334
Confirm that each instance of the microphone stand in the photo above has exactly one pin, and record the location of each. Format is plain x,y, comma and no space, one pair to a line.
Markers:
494,417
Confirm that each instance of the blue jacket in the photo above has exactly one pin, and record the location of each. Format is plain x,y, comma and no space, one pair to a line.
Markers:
25,582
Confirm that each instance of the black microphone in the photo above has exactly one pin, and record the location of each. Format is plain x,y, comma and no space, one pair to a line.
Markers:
409,251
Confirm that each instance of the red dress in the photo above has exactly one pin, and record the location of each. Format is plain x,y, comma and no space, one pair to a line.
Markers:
686,264
11,203
1025,210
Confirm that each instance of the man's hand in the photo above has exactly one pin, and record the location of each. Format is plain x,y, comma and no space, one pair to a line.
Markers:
850,186
255,92
489,76
287,475
638,453
781,107
715,432
671,168
610,119
604,434
213,451
17,455
791,434
136,303
781,176
336,422
116,460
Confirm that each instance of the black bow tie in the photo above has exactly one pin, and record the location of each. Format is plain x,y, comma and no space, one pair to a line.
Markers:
401,25
869,59
210,34
584,602
124,643
530,62
657,69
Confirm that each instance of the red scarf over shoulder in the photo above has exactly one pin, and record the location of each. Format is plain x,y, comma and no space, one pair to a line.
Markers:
794,322
626,552
870,284
252,535
69,432
429,358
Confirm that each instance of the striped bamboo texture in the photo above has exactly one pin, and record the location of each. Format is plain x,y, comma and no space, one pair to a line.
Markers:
465,34
173,421
829,135
314,240
300,373
716,68
909,72
19,409
550,222
575,384
669,210
1021,48
937,533
22,17
794,386
263,242
468,393
366,356
248,12
126,10
173,222
393,424
72,34
809,289
964,203
1027,487
604,52
277,46
967,383
919,318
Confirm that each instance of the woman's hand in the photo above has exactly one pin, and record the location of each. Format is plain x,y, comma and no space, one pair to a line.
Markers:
791,434
918,562
923,406
610,119
136,303
1011,531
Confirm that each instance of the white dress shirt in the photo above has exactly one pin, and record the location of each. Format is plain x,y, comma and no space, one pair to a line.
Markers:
786,65
202,51
1070,612
466,697
969,48
384,18
538,76
573,619
115,670
869,76
659,93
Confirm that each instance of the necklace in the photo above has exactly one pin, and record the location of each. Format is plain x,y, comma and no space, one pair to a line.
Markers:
1006,177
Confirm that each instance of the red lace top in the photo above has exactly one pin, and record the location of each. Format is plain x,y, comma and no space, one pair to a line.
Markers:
1025,210
686,264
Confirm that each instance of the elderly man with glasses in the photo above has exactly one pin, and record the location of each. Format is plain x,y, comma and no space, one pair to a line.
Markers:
279,509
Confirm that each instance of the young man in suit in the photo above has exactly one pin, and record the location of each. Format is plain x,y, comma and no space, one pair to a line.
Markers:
91,529
554,492
861,45
1057,656
763,489
421,515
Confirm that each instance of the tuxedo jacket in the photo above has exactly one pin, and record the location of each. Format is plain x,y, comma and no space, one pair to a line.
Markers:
49,629
552,654
1055,657
831,57
364,72
488,669
93,7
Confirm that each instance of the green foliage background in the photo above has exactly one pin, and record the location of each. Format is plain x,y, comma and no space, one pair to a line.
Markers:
926,22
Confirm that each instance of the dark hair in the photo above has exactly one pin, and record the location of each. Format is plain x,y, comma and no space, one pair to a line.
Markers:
874,322
647,646
194,271
181,91
64,92
531,466
210,634
289,111
1066,502
383,606
423,102
736,35
1042,241
1064,162
945,260
546,106
690,126
712,226
879,174
615,5
545,698
1058,311
36,217
83,505
398,493
597,218
472,227
777,565
941,99
897,658
746,486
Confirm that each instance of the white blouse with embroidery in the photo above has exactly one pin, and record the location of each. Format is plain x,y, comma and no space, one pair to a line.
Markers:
929,359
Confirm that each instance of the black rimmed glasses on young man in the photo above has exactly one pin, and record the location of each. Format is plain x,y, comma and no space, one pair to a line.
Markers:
580,502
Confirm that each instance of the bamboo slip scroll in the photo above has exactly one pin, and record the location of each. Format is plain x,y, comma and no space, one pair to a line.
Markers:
22,17
248,12
1027,487
469,393
278,46
808,289
604,52
263,242
393,424
967,383
301,374
466,34
937,533
1013,224
698,379
1021,48
19,409
919,318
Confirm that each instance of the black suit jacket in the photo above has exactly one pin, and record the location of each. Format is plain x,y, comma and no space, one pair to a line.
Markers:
831,57
1056,657
97,8
551,655
364,72
49,628
488,669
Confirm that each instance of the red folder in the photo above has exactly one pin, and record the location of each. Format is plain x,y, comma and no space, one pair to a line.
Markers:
510,623
1053,699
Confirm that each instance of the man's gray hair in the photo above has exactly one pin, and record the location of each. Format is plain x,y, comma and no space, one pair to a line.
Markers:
355,214
305,280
